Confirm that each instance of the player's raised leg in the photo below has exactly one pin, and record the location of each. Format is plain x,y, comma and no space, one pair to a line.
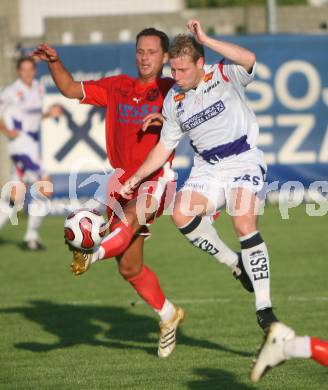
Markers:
189,215
281,344
242,206
146,284
115,243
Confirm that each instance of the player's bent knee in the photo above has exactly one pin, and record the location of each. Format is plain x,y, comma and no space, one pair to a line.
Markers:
245,228
179,218
132,219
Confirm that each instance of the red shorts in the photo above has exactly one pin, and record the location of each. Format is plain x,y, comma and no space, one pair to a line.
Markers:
166,199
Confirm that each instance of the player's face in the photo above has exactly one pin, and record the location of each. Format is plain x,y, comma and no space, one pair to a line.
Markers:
150,57
187,73
27,72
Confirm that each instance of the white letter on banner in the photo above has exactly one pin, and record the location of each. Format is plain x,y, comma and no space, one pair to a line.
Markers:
320,199
281,85
304,124
266,138
323,155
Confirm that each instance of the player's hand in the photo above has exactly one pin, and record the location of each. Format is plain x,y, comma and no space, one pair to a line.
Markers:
197,31
12,134
154,119
129,186
55,111
46,53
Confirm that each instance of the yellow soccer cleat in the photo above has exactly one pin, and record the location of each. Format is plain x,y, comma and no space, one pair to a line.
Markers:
167,337
81,262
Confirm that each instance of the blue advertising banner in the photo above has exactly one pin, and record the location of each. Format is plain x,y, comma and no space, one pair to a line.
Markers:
289,97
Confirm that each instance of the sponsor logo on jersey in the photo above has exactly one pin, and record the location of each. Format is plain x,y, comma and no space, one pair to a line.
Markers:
152,94
20,95
179,97
180,109
208,76
34,111
203,116
134,114
211,86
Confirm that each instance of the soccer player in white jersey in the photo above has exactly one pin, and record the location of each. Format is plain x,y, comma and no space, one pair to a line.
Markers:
20,120
210,107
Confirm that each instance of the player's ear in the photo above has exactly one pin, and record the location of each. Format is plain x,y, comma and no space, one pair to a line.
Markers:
165,58
200,63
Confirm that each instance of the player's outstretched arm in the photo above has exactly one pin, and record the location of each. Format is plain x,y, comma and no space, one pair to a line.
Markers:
61,76
230,51
155,160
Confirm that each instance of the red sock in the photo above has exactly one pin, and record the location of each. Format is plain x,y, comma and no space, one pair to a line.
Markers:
319,351
117,241
147,286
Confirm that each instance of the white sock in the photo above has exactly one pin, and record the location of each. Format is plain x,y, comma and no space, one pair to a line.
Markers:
33,224
201,233
298,347
256,262
167,311
97,255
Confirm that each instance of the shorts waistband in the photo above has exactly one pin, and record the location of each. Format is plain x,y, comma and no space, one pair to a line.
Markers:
34,135
220,152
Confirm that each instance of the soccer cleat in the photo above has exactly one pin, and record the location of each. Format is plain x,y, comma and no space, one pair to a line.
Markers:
32,245
81,262
266,317
167,337
240,274
271,352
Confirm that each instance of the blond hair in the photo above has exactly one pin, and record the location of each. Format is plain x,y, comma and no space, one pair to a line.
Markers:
184,44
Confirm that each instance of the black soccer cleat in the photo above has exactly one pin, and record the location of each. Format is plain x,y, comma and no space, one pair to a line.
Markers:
243,277
266,317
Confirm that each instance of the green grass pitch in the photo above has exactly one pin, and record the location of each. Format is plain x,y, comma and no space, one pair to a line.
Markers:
58,331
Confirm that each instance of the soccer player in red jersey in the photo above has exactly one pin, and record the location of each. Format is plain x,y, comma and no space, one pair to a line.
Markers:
281,344
129,139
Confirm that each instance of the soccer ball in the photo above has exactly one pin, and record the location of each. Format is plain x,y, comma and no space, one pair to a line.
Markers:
84,229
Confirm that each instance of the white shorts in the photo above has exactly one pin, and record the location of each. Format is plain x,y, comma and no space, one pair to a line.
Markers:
25,156
216,181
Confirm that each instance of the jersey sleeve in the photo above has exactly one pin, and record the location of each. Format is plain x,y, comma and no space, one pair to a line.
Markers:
171,131
96,92
236,73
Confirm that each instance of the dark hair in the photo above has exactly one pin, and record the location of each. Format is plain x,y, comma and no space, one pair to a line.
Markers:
25,59
153,32
184,44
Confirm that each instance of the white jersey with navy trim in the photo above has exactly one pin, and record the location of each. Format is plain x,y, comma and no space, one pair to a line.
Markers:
215,115
21,110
